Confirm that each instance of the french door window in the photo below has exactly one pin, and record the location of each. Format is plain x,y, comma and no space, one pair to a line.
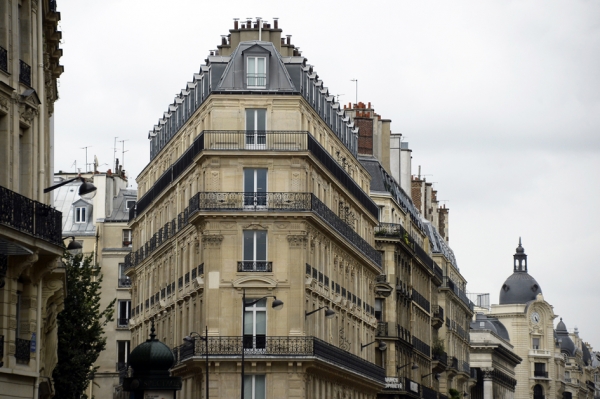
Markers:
255,250
257,72
255,326
255,188
256,126
124,311
254,387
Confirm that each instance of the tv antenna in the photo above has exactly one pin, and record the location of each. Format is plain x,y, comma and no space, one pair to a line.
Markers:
86,162
123,151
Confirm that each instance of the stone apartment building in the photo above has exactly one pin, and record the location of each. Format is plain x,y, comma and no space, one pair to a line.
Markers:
246,198
100,225
31,279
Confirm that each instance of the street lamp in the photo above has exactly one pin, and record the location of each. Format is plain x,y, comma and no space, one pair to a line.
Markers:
414,366
277,305
382,345
192,339
436,376
329,314
86,190
73,245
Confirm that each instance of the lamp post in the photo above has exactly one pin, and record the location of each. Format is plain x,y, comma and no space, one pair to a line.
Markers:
73,245
436,376
414,366
277,305
86,190
382,345
192,338
328,312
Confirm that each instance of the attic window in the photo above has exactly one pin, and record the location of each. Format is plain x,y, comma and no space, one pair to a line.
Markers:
80,215
129,204
256,72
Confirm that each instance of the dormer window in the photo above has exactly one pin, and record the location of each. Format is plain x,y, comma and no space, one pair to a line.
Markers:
256,72
80,215
129,204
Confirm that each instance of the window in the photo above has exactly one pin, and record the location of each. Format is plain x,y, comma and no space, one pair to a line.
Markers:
123,313
255,187
536,343
255,250
122,354
254,387
255,326
80,216
256,126
540,370
379,309
126,238
257,72
123,279
129,204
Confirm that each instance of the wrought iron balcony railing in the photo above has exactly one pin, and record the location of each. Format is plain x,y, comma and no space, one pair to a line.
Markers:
256,79
448,283
273,347
124,282
30,217
466,368
540,373
421,346
23,350
454,363
237,140
441,357
420,300
122,321
438,312
3,59
255,266
24,73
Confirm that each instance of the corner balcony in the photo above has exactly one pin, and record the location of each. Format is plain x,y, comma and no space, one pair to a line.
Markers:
279,348
280,202
30,217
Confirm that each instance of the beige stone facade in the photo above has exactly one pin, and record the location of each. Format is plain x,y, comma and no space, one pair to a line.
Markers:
31,281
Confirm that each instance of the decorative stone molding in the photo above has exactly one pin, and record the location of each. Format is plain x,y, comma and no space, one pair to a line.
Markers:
487,372
212,240
254,226
23,263
297,240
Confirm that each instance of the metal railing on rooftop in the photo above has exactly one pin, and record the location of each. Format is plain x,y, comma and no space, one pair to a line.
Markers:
30,217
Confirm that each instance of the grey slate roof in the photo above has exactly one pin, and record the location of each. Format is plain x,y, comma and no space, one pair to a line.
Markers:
64,199
566,343
519,287
483,322
119,213
438,244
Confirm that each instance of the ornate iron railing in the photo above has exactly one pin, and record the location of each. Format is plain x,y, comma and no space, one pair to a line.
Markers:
448,283
466,368
421,346
441,357
540,373
124,282
420,300
438,312
454,363
227,140
3,59
404,334
24,73
23,350
256,79
283,347
29,216
255,266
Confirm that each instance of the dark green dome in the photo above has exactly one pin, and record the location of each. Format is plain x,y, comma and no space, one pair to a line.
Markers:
151,357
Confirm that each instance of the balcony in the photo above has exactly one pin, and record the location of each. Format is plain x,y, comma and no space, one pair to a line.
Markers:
421,346
124,282
258,80
24,73
441,358
540,374
122,322
449,284
23,350
282,202
539,353
30,217
420,300
255,266
283,347
235,140
454,363
466,368
3,59
438,316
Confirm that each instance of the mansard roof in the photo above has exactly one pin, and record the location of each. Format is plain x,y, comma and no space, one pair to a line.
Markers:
438,244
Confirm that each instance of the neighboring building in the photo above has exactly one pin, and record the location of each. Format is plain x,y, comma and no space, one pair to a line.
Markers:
494,359
100,225
254,188
31,279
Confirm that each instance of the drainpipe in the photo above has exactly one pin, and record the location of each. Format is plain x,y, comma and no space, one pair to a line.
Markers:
259,28
38,331
42,114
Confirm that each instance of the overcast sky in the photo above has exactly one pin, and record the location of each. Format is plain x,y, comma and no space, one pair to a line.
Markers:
499,101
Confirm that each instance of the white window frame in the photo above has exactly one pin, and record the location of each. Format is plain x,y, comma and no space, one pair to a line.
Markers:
256,139
254,82
80,215
127,234
256,199
127,349
251,379
260,306
127,201
254,248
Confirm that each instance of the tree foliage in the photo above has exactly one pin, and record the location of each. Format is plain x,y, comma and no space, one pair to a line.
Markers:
80,327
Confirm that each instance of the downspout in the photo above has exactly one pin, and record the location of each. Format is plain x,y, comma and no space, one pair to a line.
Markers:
42,114
38,331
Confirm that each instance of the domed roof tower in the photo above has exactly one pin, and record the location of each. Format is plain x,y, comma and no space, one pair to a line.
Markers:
519,287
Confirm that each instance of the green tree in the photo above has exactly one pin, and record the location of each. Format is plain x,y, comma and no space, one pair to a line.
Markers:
80,327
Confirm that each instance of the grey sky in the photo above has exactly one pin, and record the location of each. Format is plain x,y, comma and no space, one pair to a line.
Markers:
499,101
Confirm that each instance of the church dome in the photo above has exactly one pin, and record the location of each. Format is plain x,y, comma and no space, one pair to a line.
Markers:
484,322
519,287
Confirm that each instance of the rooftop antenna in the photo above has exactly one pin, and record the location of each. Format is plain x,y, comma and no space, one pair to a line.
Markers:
115,152
86,162
337,97
123,153
355,90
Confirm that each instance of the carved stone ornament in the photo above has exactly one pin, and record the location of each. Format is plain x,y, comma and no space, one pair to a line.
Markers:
299,240
212,240
4,103
487,372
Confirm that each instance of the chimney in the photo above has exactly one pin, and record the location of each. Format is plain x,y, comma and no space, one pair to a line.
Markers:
275,23
235,23
288,40
365,133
